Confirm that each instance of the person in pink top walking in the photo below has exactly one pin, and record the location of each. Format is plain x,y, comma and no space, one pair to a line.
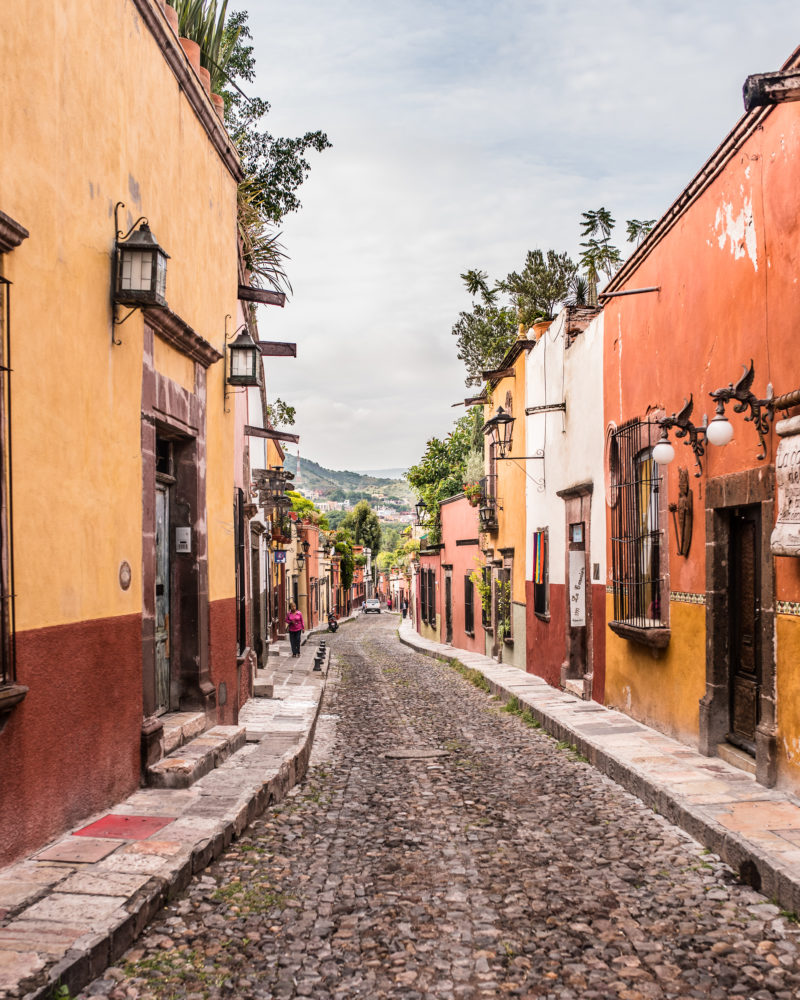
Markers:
295,623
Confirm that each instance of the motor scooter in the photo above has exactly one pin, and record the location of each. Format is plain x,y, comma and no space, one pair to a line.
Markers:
333,624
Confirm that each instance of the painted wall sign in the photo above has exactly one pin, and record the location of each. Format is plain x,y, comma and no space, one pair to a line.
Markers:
280,556
785,539
577,587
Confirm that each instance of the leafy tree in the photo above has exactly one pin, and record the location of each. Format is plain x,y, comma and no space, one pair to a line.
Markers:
541,286
306,508
599,255
363,525
280,414
343,547
390,538
439,474
335,517
277,166
486,332
638,229
490,328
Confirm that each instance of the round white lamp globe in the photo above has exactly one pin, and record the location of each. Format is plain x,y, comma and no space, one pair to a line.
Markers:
663,452
720,431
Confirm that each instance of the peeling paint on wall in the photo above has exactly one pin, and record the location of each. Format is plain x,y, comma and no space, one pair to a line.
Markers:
739,229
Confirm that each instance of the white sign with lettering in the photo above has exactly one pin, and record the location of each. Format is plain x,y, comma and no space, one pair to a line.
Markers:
577,587
785,539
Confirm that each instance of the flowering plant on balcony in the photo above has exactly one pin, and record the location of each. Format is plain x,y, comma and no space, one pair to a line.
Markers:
473,493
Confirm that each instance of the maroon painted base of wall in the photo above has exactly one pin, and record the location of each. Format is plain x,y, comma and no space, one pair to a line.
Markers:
599,633
546,643
71,748
223,661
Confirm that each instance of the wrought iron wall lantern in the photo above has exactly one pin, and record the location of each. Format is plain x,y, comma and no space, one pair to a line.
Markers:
420,513
243,355
719,431
139,269
664,453
306,547
500,428
300,559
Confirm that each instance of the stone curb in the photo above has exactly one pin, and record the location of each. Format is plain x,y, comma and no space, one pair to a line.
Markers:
755,866
94,952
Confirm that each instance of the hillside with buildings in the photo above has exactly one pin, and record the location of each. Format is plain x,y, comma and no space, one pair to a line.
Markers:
390,498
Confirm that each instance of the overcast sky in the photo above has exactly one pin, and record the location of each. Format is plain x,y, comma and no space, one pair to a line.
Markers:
465,134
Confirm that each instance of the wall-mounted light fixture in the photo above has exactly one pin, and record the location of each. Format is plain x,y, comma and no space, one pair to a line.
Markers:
300,559
243,364
664,453
306,547
761,410
420,513
243,355
139,268
499,428
720,430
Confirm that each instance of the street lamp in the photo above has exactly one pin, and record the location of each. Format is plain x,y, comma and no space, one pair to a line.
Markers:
244,355
500,428
139,268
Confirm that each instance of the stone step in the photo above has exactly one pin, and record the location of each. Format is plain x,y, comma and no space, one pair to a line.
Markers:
184,766
264,684
179,728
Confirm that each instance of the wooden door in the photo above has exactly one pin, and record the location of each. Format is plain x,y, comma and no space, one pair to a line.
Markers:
162,598
744,622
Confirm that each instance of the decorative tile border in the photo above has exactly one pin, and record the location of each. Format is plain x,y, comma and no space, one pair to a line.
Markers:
788,607
682,597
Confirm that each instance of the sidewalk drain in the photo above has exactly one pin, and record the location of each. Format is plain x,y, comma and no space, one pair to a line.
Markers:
420,754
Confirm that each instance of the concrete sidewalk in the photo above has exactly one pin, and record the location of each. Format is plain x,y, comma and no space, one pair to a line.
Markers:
755,830
74,907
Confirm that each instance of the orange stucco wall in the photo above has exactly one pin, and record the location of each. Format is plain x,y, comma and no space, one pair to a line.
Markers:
727,272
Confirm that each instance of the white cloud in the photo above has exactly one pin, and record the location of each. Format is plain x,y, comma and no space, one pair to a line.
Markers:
465,134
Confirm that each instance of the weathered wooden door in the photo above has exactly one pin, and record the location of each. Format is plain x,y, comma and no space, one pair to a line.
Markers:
256,598
744,621
162,598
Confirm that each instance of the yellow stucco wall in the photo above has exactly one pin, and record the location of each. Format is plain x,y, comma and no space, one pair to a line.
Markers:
661,688
787,629
78,133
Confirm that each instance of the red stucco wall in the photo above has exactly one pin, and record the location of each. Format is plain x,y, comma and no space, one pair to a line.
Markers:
72,747
222,657
460,523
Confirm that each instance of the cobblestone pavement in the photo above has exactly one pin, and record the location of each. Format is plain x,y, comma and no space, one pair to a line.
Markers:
504,867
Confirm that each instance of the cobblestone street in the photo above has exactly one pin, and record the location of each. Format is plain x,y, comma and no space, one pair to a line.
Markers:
440,848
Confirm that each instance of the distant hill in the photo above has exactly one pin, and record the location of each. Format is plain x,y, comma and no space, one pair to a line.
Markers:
353,485
384,473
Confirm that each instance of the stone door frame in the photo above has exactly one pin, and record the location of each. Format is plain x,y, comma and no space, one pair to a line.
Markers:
755,487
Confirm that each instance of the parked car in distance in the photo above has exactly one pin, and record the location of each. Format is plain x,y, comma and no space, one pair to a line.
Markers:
372,604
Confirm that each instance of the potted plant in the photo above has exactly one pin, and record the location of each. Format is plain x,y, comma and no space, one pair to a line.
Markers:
473,493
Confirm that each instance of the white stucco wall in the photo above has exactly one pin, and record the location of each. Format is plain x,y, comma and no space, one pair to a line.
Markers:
573,441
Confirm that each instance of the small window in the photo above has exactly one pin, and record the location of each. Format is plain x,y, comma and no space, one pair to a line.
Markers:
469,611
541,574
486,610
638,566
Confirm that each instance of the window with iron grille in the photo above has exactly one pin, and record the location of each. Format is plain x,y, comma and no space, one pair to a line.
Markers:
423,595
486,607
541,573
469,610
502,596
637,552
431,597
